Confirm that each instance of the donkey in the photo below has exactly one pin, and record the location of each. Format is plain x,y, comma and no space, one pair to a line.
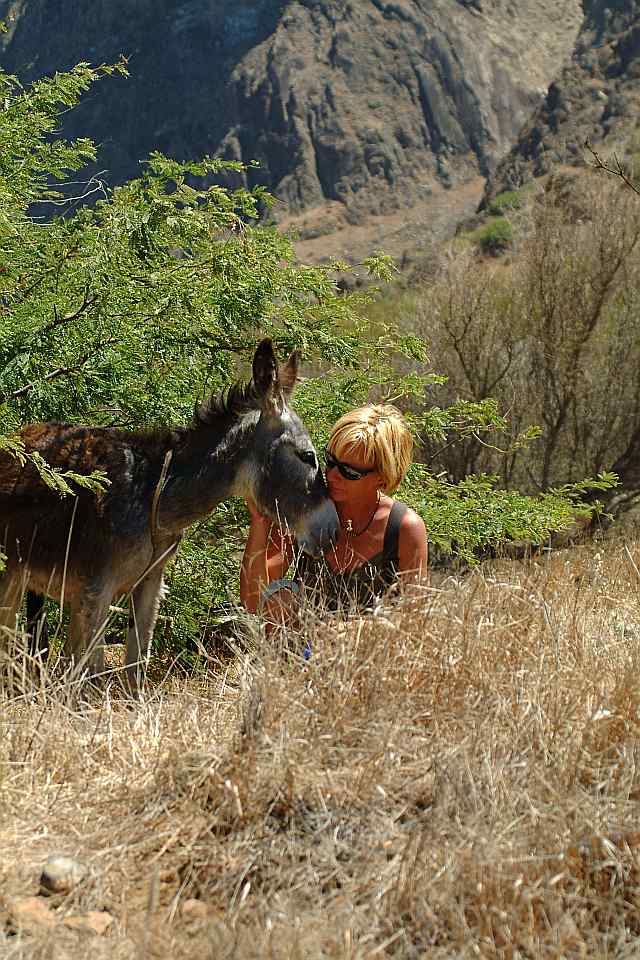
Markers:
87,550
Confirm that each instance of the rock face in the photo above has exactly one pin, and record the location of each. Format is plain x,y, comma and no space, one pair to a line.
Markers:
595,97
363,103
370,103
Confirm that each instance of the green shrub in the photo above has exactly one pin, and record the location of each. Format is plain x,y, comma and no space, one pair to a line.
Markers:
496,237
508,200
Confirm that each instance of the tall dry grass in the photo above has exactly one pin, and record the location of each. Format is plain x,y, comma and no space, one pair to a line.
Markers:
455,777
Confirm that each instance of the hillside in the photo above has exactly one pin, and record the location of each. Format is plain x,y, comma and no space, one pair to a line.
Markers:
596,97
356,112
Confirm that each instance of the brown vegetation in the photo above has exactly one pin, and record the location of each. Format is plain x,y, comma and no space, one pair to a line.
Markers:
455,777
552,334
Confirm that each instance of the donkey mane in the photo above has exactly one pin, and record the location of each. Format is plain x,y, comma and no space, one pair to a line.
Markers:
232,401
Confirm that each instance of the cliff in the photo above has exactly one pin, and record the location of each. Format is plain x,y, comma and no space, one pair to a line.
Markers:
596,97
354,108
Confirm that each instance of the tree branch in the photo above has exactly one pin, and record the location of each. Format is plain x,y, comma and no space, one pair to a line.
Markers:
54,374
616,170
87,302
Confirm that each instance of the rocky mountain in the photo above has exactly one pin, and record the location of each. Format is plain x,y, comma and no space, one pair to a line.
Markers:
362,114
356,110
596,97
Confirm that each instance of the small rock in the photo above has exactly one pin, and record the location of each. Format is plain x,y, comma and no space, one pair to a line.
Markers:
29,915
61,874
95,921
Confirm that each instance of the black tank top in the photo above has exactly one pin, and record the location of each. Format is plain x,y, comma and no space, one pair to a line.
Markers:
355,590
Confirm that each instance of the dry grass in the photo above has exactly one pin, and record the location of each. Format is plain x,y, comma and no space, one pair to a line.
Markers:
458,777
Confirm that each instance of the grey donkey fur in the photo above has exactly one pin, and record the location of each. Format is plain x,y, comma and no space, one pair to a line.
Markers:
85,551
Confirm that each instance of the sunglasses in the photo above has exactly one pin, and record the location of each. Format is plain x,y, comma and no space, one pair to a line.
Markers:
346,470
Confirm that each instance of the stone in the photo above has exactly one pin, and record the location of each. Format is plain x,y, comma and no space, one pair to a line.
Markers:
61,874
601,76
30,914
196,910
94,921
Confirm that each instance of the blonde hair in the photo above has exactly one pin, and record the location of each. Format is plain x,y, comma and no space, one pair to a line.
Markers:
379,433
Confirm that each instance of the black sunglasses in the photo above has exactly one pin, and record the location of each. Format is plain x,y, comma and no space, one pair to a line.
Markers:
347,471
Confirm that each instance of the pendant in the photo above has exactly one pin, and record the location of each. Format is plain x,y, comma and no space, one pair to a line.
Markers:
349,526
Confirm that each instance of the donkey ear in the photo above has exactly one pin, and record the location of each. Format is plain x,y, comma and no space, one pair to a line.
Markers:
265,367
265,376
288,374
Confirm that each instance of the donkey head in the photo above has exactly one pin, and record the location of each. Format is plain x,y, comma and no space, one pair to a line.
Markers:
288,484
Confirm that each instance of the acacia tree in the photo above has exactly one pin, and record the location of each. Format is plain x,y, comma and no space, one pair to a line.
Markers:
125,310
128,308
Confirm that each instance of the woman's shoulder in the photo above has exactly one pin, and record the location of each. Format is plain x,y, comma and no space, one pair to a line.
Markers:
406,514
410,526
412,540
404,525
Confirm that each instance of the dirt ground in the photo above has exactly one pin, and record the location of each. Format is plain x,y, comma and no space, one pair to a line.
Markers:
406,235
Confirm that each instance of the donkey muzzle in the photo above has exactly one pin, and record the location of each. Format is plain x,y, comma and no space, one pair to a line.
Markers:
318,530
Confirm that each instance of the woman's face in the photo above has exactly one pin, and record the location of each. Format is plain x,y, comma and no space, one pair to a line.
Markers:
343,489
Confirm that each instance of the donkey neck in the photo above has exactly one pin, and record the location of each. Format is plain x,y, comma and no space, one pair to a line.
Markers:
206,467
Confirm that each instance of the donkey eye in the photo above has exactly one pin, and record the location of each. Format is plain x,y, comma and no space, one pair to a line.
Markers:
308,456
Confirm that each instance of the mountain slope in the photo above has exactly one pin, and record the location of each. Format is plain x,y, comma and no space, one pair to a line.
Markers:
366,106
596,97
372,104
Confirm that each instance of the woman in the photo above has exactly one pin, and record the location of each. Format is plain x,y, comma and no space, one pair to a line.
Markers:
381,541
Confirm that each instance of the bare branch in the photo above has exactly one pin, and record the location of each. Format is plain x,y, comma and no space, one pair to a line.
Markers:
614,169
94,185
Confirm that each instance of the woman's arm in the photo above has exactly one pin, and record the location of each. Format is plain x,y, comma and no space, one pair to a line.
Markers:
267,556
413,549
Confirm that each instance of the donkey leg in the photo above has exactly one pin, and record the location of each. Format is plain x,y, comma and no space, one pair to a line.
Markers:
145,601
12,587
37,624
84,646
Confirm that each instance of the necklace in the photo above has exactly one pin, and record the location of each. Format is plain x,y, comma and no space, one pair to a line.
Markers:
358,533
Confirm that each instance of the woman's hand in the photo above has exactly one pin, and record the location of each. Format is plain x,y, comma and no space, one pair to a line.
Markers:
266,557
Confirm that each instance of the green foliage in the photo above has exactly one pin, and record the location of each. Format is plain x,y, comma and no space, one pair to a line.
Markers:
61,481
380,265
464,417
29,155
474,514
200,602
505,201
492,238
495,237
127,311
